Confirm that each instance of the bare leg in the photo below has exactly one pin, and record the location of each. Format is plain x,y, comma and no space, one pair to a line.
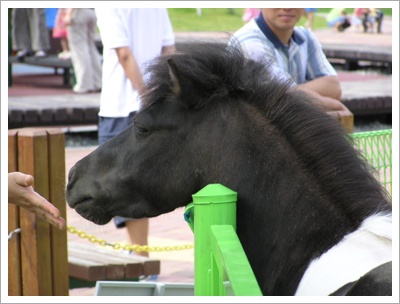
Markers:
138,231
64,44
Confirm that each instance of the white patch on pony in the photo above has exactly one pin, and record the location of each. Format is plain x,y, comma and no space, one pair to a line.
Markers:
357,253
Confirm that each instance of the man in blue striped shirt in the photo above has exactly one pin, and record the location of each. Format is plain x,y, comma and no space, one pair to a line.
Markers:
294,52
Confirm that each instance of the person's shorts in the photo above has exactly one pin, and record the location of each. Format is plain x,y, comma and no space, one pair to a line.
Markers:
108,128
111,126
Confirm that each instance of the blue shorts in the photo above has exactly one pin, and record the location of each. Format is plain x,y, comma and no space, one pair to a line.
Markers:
111,126
108,128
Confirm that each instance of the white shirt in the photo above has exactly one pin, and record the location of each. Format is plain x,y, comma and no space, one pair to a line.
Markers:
145,31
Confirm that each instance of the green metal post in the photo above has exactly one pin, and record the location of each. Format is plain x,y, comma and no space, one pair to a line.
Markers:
215,204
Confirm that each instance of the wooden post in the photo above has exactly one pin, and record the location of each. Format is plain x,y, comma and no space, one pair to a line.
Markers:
346,118
14,248
43,248
59,245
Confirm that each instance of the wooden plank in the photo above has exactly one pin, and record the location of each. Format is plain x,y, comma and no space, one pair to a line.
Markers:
15,116
61,115
47,61
35,250
82,269
28,224
357,52
77,115
368,105
150,266
31,116
115,270
117,263
46,116
91,115
135,266
59,250
14,248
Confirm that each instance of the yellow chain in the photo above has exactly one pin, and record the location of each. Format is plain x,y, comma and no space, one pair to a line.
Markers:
118,246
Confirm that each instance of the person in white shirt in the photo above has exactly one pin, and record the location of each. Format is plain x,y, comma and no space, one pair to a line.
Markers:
131,37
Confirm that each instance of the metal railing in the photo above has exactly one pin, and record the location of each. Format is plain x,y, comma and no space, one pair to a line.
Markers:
221,266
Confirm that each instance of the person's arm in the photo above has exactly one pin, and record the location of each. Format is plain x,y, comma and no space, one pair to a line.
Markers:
324,102
21,193
131,67
69,13
327,86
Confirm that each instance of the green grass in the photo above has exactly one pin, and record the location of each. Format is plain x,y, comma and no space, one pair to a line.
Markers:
319,22
386,11
211,19
226,19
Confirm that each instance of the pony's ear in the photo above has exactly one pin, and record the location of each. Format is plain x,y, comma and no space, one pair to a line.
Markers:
174,74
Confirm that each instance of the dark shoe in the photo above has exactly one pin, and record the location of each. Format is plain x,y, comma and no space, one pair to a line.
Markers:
22,54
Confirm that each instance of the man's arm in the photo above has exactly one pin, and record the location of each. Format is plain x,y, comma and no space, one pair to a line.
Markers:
324,102
326,86
131,67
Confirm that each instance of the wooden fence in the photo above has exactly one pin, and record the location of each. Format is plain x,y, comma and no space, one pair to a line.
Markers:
38,256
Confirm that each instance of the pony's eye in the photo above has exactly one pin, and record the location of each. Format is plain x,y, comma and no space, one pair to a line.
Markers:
141,129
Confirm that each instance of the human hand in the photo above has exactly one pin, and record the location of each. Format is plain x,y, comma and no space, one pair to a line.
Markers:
331,104
324,102
21,193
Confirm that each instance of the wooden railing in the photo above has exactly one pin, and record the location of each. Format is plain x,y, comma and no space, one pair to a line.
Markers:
37,256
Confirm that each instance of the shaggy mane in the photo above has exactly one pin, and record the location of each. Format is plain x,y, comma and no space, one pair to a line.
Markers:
212,72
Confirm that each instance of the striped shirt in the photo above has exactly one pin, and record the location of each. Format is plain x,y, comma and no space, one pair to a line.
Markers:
303,60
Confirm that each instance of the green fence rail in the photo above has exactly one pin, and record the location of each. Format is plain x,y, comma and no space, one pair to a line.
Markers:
221,266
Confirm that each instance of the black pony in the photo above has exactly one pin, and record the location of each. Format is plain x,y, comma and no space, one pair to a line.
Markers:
310,215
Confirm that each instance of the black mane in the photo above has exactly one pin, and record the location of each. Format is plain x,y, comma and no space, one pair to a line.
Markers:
211,72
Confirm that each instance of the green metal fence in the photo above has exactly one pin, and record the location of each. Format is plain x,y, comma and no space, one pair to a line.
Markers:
221,265
376,147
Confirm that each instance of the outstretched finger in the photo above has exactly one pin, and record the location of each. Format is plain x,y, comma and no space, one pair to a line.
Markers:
58,222
39,202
